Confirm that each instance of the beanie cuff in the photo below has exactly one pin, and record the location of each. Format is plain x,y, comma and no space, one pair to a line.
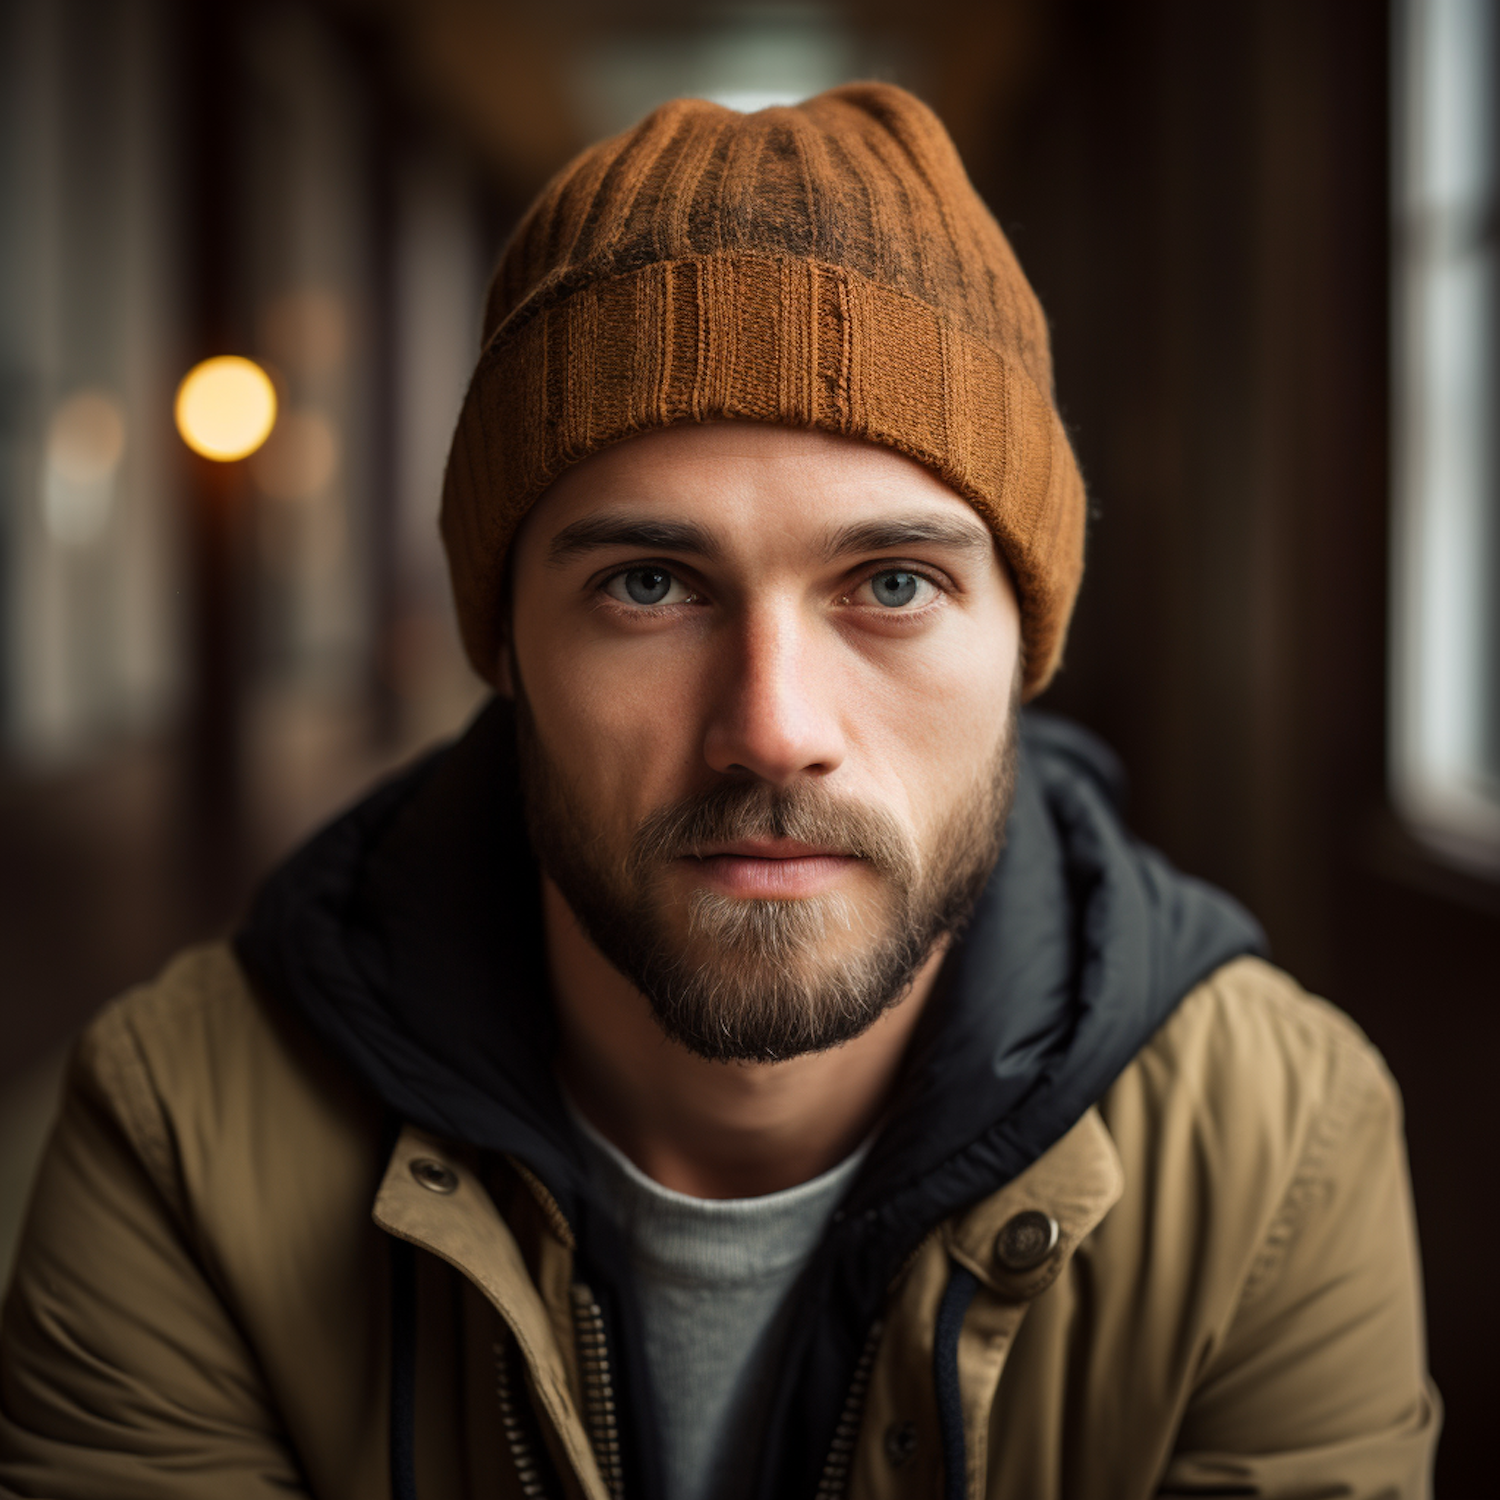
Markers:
765,339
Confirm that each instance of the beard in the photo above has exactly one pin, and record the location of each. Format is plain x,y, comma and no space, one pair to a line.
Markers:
762,980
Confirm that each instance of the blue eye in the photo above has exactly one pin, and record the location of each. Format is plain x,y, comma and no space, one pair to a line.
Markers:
647,585
894,588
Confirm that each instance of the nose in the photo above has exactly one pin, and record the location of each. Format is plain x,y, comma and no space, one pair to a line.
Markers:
771,716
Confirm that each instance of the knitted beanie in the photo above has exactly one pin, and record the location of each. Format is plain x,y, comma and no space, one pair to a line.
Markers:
827,265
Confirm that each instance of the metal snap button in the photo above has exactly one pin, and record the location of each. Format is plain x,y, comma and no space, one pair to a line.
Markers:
1026,1240
433,1175
900,1442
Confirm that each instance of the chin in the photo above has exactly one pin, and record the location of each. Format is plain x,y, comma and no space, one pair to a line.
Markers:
831,928
764,981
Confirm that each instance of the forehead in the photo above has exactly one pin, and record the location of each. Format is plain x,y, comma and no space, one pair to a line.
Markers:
748,482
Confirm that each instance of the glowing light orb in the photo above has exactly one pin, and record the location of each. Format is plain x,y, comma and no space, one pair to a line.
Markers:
226,408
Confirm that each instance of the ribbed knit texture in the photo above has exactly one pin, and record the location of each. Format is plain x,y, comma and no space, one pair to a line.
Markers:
827,265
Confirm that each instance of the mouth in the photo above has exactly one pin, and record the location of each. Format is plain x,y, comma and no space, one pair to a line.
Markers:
771,849
770,869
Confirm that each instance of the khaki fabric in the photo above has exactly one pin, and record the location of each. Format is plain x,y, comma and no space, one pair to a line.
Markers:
201,1300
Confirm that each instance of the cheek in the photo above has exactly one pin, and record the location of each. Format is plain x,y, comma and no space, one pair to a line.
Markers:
619,726
934,722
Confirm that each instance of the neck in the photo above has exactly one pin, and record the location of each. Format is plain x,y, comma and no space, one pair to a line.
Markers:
712,1129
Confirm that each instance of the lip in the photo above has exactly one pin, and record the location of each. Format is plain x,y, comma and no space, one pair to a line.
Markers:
772,849
772,869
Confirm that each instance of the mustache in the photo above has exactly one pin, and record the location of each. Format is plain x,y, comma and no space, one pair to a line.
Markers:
753,809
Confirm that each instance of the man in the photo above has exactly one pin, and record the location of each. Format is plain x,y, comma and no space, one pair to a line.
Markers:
753,1061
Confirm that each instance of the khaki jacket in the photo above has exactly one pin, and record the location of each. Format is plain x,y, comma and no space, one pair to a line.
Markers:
201,1304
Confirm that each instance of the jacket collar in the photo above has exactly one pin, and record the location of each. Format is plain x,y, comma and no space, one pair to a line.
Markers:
1073,1184
431,1197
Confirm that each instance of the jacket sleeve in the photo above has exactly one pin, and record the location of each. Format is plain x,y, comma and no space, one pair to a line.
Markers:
1318,1388
122,1372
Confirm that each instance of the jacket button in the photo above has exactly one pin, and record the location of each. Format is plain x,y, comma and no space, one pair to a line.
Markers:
900,1442
1026,1240
433,1175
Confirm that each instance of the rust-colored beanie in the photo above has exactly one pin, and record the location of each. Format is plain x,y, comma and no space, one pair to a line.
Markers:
827,265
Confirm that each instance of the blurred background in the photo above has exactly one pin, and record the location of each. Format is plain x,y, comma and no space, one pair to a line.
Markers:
1265,234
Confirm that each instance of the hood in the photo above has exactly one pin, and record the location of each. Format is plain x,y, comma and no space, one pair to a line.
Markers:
406,935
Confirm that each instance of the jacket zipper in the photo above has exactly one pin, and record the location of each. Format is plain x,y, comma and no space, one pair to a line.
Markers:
518,1434
598,1389
600,1412
841,1455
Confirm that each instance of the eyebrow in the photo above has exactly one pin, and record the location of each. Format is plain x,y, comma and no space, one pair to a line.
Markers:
897,533
594,533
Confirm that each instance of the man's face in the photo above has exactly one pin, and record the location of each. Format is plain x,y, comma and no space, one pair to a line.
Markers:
765,680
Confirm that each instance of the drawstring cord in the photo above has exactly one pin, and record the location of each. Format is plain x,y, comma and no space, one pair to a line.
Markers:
957,1295
403,1370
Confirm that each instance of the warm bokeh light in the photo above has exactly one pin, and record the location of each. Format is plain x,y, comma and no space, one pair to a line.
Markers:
305,331
226,407
85,444
86,437
300,458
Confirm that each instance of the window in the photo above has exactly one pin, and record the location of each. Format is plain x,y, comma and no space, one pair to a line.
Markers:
1446,525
